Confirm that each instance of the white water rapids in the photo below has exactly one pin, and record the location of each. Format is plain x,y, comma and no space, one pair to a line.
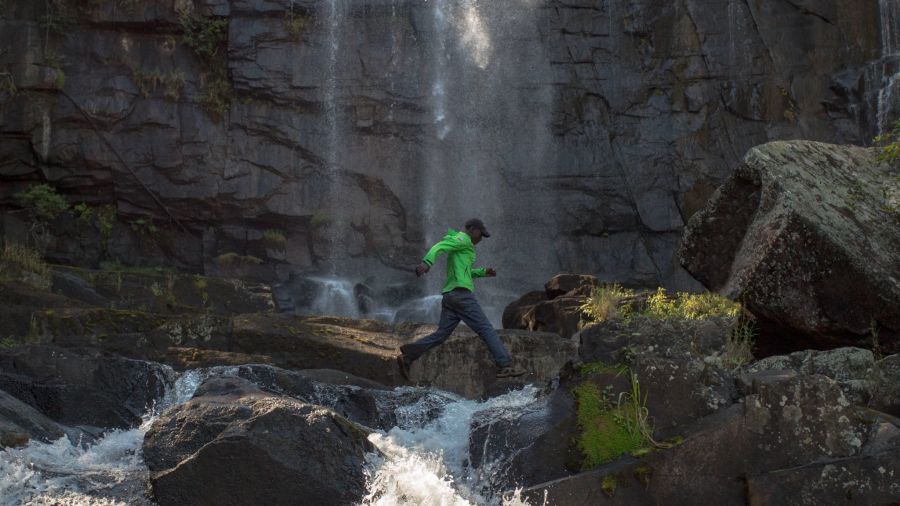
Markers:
423,462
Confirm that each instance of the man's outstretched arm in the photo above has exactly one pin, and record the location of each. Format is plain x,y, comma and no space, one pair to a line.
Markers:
482,272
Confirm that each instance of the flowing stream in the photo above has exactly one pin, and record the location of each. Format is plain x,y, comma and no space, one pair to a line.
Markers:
424,458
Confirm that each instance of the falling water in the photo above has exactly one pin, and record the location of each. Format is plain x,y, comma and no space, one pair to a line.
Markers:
428,464
423,459
335,297
334,20
888,104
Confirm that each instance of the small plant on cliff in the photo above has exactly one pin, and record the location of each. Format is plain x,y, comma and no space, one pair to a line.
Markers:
42,201
604,303
205,35
217,97
890,144
274,239
738,349
8,84
295,22
231,260
43,204
58,17
20,263
106,220
171,83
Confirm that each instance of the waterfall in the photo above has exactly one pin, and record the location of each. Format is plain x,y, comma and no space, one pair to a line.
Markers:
888,69
335,297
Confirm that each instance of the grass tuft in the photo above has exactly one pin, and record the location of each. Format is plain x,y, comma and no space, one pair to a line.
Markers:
689,306
24,264
738,349
604,303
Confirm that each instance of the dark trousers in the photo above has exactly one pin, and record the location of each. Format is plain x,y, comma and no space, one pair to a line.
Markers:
460,305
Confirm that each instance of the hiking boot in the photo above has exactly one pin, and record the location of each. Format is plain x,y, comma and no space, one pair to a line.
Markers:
404,366
510,371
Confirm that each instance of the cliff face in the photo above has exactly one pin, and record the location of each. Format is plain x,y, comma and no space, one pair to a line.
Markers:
584,133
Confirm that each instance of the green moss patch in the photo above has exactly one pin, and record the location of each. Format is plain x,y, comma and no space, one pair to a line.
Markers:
608,428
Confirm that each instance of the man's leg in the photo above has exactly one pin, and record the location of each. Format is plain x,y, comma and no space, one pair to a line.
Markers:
449,321
474,317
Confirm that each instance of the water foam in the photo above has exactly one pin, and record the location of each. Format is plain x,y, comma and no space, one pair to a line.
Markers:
429,464
108,472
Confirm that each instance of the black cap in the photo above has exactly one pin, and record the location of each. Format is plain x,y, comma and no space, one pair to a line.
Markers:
476,223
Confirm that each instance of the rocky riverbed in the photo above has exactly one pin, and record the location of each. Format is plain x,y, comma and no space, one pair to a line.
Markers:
136,386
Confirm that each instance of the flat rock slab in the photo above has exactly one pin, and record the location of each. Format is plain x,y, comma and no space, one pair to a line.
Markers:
463,364
806,234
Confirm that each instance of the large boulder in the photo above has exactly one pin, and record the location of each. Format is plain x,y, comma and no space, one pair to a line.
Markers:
617,340
679,391
463,364
864,379
235,444
85,388
788,427
806,235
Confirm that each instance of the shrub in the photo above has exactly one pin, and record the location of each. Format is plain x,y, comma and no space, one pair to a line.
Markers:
890,144
689,306
42,201
217,96
274,239
205,35
172,82
233,260
295,22
604,303
24,264
319,220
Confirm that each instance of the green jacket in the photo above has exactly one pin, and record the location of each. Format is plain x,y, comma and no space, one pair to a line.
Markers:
460,258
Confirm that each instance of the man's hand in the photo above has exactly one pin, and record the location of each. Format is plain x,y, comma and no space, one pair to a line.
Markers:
421,269
489,272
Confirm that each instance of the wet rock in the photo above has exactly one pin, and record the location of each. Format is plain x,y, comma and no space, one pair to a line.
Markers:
236,444
525,447
622,482
21,423
85,388
802,232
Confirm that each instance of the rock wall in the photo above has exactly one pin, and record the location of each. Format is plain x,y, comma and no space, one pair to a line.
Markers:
585,133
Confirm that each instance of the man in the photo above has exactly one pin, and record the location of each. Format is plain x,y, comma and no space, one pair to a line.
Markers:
458,303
